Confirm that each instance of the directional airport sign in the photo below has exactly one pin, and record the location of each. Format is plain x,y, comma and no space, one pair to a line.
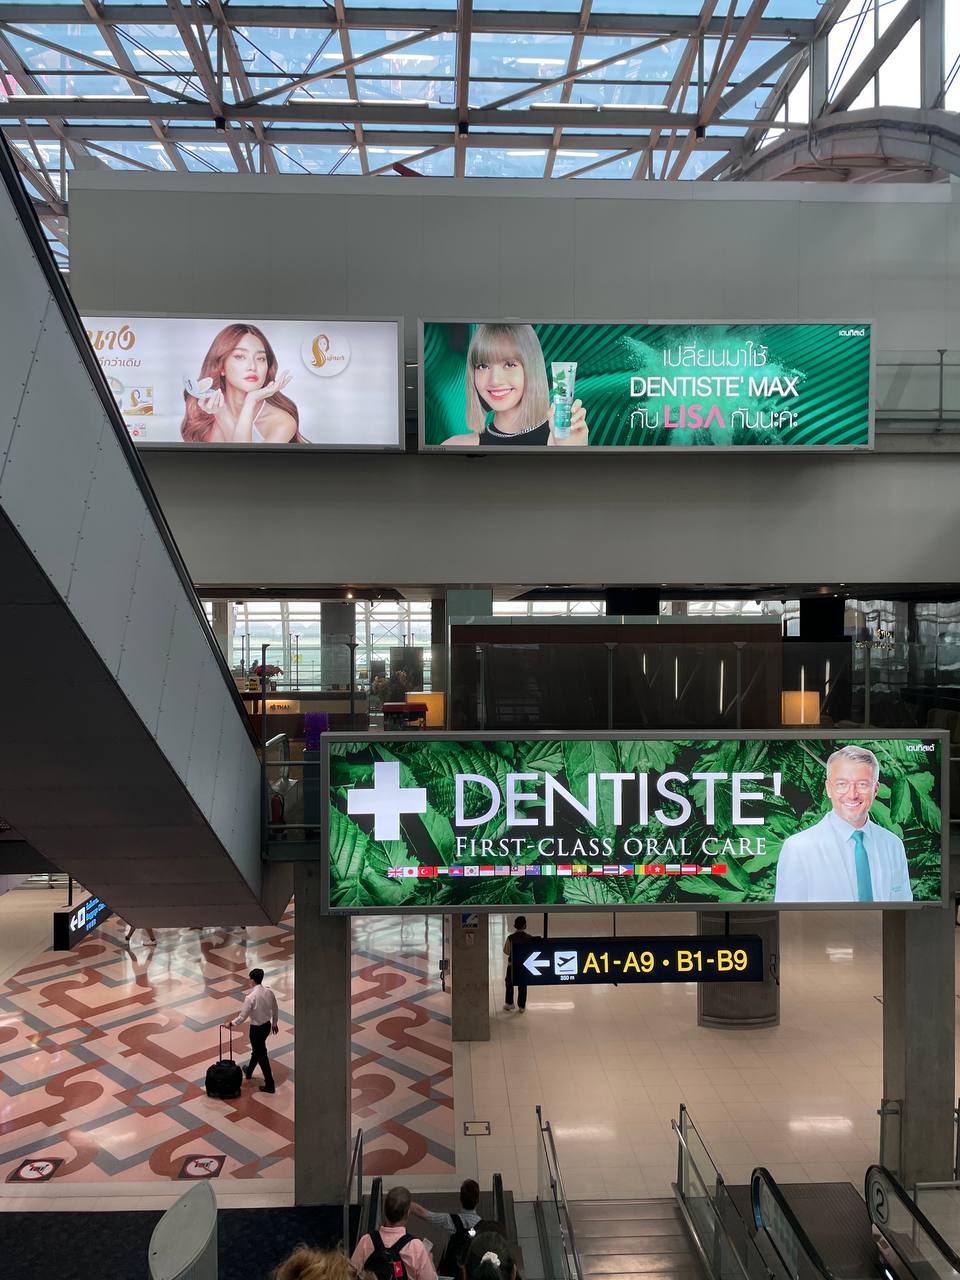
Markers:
547,962
72,924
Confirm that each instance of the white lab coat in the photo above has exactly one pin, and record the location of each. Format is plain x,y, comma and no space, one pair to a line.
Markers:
819,864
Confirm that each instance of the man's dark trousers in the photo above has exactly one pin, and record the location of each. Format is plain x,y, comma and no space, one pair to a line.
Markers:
258,1053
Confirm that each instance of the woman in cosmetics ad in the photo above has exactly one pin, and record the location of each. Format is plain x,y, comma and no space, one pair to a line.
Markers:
238,397
509,398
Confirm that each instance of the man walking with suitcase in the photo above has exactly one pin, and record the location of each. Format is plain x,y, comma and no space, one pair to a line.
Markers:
260,1007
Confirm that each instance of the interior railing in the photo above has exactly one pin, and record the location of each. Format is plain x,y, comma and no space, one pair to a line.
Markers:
716,1225
780,1228
914,1233
558,1242
353,1186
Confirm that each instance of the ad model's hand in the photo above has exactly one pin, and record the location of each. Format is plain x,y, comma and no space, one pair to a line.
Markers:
271,388
579,433
211,402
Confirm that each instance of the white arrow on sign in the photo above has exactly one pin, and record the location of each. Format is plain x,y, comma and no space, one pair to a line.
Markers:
535,963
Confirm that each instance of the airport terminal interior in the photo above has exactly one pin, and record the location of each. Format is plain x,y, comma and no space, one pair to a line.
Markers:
419,859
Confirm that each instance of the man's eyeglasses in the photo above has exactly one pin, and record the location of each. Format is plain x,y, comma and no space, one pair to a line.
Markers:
861,788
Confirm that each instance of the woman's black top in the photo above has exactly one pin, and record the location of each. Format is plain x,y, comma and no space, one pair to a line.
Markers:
535,436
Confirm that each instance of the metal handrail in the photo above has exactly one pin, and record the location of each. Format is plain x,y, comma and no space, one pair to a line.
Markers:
920,1219
356,1168
556,1182
718,1219
763,1177
499,1200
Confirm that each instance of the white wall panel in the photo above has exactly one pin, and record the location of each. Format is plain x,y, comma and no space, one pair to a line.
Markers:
207,732
52,455
181,681
105,564
143,662
533,273
19,325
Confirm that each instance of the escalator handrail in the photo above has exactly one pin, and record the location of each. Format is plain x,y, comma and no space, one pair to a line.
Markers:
499,1200
762,1176
373,1207
63,299
912,1208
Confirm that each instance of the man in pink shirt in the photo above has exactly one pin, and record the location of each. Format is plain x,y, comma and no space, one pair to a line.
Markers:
394,1252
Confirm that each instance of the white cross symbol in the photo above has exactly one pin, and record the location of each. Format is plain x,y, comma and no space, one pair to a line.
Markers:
386,800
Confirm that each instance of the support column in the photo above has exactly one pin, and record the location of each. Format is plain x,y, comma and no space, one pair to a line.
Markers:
918,1042
322,1038
222,626
338,623
470,968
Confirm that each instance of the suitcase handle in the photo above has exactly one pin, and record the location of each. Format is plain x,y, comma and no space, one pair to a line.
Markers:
220,1041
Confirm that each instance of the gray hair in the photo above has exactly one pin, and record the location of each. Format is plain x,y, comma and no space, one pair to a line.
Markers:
856,755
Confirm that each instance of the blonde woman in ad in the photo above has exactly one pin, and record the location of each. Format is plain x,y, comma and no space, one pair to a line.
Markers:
238,398
508,395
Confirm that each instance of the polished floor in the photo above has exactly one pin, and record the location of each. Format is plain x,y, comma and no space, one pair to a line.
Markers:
102,1054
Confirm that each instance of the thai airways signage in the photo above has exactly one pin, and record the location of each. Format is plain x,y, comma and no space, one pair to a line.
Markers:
646,386
437,821
238,381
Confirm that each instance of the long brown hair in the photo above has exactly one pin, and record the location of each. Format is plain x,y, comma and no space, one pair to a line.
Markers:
196,422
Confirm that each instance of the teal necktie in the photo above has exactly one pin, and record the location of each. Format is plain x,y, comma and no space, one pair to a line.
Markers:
864,883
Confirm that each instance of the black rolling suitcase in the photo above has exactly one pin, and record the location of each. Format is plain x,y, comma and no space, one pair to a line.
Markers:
224,1078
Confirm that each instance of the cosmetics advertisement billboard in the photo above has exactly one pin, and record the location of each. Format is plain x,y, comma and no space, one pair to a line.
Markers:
597,387
239,381
441,821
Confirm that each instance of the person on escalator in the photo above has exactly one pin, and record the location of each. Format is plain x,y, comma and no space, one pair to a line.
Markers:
461,1227
490,1257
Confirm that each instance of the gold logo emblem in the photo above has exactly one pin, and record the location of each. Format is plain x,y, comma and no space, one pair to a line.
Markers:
320,347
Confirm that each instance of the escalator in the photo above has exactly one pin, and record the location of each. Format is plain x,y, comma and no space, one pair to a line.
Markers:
827,1230
814,1231
126,757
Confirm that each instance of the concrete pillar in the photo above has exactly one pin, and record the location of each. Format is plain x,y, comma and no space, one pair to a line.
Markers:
338,623
322,1091
470,972
469,602
919,1017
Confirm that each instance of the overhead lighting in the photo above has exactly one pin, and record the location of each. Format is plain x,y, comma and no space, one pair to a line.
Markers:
541,62
564,106
533,151
586,155
323,102
635,106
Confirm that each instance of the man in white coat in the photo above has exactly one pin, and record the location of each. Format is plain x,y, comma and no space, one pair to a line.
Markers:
845,857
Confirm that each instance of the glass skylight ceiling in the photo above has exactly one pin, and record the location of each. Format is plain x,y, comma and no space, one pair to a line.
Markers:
568,89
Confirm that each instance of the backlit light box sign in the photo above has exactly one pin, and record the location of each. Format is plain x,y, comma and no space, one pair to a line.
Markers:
439,821
646,386
240,381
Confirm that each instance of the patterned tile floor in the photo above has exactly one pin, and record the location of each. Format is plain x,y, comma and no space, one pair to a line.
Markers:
103,1052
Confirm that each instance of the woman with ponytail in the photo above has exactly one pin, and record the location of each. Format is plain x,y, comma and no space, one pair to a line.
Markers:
238,397
490,1257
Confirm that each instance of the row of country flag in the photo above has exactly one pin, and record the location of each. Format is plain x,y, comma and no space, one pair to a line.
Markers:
553,869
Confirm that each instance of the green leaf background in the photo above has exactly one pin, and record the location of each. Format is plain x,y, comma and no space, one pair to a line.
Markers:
908,804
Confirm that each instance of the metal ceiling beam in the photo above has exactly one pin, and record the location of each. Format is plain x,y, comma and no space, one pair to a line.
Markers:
719,81
858,80
418,155
122,59
241,85
575,72
681,78
573,62
324,111
103,134
746,86
198,56
107,68
464,42
347,65
323,17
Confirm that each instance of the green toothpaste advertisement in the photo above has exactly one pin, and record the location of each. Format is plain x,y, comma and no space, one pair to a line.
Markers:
438,821
503,384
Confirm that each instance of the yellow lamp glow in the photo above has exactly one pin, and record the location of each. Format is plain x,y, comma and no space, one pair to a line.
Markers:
436,705
800,706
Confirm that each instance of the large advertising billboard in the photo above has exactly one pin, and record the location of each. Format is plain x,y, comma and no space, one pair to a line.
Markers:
646,386
238,381
442,821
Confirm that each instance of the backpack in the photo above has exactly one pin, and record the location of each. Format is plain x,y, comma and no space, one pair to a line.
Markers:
456,1249
386,1263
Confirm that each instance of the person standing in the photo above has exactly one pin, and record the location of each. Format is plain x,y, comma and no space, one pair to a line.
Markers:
392,1251
261,1008
519,935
